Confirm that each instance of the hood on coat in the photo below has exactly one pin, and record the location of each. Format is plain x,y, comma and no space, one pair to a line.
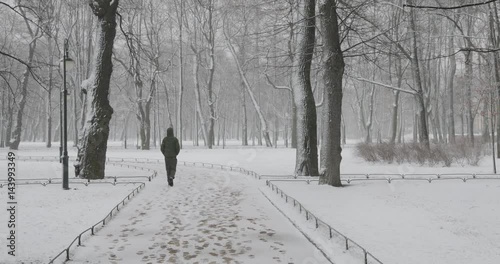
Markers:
170,132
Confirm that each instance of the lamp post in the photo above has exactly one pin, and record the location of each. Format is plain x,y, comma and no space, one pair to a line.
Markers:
67,63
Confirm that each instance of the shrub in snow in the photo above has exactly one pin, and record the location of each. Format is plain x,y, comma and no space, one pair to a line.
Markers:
367,152
462,153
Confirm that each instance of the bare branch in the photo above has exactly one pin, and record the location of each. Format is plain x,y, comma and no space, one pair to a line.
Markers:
448,7
480,50
15,58
275,86
385,85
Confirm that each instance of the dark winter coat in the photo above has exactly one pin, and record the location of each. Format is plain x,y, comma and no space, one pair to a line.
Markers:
170,145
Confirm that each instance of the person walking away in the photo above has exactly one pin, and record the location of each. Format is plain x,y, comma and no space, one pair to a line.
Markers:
170,149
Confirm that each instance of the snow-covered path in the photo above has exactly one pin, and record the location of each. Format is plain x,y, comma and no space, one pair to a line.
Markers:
209,216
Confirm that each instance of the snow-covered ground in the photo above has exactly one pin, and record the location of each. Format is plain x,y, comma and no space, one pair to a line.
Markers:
402,222
411,222
208,216
48,217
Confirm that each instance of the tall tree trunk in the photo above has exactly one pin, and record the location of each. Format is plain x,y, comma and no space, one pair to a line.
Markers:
181,76
211,70
423,131
244,125
16,134
333,71
394,114
263,123
242,49
451,94
48,109
2,119
495,40
468,78
87,83
469,75
93,145
291,56
75,115
306,157
369,122
196,66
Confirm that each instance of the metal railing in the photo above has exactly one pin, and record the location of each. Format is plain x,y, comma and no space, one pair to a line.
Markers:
77,241
221,167
86,182
99,225
331,232
389,177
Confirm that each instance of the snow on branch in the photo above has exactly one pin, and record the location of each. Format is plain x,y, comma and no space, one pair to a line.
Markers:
386,86
275,86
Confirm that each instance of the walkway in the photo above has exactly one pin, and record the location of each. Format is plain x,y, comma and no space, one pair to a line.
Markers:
209,216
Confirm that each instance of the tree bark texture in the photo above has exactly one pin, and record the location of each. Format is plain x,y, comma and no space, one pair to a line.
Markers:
211,70
423,131
93,144
333,68
306,157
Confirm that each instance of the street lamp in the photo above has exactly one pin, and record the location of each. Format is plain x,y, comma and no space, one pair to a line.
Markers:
67,64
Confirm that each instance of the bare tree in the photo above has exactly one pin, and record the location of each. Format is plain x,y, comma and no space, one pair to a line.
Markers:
93,144
333,71
35,34
306,158
179,7
263,123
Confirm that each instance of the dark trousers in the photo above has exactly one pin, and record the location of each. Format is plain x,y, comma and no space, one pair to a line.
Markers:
170,166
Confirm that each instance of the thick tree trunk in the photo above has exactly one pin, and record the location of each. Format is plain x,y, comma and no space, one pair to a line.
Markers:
333,69
394,119
143,116
306,157
423,131
93,145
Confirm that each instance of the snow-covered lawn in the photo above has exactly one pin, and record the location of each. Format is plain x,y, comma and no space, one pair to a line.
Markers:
402,222
411,222
48,217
